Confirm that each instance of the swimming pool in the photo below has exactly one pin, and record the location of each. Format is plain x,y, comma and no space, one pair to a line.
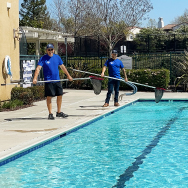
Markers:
141,145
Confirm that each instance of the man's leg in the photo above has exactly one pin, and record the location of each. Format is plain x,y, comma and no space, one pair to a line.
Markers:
49,104
49,92
59,102
59,94
110,90
59,113
116,90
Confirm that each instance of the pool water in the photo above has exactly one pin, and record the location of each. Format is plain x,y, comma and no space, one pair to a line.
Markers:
141,145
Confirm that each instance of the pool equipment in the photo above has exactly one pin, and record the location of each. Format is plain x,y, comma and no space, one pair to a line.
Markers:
8,69
158,91
128,83
8,66
95,81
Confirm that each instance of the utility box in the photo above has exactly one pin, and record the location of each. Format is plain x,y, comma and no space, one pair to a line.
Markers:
126,60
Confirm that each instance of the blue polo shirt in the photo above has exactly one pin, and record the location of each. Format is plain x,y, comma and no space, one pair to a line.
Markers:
50,66
114,67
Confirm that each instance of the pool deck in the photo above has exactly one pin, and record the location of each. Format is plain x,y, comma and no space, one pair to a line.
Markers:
81,105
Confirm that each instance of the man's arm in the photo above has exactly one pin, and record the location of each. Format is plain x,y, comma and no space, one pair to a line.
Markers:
125,75
63,68
36,74
103,71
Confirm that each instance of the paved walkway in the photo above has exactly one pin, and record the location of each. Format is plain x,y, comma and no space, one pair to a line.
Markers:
81,105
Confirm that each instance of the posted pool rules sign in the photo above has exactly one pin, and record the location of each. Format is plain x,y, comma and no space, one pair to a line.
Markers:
127,61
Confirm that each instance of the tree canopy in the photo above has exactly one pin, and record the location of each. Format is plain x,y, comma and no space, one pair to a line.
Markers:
109,19
34,14
154,39
182,18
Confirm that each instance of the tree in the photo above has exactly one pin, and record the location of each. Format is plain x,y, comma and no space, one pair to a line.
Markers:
181,19
152,23
109,19
68,25
78,9
150,40
154,39
58,12
34,14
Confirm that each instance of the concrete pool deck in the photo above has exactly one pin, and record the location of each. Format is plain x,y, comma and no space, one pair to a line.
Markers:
80,105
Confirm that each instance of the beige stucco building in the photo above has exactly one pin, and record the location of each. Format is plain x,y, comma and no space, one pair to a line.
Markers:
9,20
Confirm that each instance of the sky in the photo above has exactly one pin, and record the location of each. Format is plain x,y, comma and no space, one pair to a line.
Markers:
167,9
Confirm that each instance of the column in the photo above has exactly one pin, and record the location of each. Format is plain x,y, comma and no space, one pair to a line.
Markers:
38,47
56,47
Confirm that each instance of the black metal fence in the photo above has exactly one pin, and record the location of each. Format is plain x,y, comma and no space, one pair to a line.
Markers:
139,61
159,61
149,43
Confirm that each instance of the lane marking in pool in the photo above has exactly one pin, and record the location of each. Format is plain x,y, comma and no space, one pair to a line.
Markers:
128,174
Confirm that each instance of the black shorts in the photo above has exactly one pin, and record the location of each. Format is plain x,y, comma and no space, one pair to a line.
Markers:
53,89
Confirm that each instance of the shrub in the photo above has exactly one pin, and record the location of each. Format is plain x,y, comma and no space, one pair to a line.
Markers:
80,84
61,74
18,102
12,104
23,96
154,77
27,97
32,93
5,105
38,92
16,91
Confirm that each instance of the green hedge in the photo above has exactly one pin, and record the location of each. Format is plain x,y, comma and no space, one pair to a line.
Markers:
38,92
23,94
27,95
11,104
152,77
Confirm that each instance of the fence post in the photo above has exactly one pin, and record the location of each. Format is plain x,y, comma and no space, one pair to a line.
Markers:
174,42
148,44
170,68
66,54
101,62
135,60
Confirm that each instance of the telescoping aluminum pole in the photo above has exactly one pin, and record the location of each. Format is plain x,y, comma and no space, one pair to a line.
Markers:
128,83
113,78
17,83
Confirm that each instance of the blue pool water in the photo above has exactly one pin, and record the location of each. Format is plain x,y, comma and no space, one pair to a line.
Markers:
143,145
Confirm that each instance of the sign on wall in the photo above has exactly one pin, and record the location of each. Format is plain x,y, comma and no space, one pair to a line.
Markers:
28,66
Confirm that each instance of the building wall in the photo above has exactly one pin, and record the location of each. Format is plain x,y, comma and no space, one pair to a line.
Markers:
9,20
179,25
132,34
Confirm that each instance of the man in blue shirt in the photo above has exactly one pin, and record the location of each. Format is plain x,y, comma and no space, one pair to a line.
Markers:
114,65
50,63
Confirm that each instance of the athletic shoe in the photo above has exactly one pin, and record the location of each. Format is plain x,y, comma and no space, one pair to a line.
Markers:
50,116
61,114
116,104
105,105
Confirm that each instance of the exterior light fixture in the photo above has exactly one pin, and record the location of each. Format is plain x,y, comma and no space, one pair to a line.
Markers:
17,34
8,5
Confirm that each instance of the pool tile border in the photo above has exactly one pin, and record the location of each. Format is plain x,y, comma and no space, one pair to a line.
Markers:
54,138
